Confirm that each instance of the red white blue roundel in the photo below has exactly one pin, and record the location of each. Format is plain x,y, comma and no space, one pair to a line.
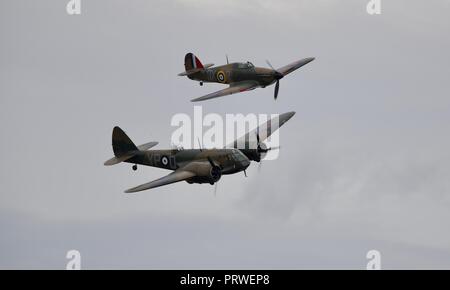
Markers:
165,160
220,76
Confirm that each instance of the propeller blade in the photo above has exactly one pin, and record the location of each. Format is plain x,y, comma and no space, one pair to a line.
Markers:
210,161
268,62
277,87
263,153
274,148
215,188
199,144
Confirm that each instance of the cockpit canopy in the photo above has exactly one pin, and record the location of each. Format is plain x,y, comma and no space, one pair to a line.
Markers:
246,65
238,155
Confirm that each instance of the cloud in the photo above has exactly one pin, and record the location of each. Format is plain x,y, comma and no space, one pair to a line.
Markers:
363,164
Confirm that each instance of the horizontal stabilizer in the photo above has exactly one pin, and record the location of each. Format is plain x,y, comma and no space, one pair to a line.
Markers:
124,148
117,160
190,72
195,70
147,146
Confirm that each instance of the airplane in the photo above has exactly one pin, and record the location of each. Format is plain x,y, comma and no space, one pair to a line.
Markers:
241,76
194,165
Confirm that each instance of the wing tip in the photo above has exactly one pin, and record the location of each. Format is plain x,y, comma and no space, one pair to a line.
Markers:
286,116
197,100
290,114
307,60
132,190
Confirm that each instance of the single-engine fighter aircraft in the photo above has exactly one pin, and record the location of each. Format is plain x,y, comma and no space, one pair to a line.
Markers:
195,165
240,76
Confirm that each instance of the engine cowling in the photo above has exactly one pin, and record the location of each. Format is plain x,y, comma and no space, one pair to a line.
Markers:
215,173
205,172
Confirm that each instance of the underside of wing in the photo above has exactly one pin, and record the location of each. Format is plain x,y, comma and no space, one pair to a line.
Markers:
173,177
295,65
233,89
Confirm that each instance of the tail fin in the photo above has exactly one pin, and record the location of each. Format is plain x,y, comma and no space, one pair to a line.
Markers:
192,62
124,148
121,143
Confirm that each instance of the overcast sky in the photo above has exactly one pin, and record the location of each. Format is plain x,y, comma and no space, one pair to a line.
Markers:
364,163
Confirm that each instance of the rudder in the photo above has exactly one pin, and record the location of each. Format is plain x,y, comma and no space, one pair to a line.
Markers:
192,62
121,143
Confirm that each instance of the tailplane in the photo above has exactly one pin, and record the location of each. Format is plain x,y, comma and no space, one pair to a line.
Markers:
124,148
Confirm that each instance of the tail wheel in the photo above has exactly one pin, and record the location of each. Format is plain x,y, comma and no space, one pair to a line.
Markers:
134,167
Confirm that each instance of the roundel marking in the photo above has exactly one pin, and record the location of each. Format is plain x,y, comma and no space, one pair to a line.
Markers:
220,75
164,160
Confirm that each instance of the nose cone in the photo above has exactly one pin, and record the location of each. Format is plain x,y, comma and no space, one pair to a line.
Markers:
245,163
278,75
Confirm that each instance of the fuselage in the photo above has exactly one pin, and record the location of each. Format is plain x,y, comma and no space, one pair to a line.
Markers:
236,72
229,160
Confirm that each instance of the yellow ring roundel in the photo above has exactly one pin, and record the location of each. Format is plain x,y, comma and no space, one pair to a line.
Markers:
220,75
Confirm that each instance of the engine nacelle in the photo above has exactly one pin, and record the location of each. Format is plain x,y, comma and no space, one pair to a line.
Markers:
205,172
215,173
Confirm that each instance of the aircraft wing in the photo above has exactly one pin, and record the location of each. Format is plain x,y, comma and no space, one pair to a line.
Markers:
234,88
295,65
176,176
264,130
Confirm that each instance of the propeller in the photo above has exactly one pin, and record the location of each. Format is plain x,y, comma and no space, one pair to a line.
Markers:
199,144
217,182
215,188
211,161
268,62
277,76
262,149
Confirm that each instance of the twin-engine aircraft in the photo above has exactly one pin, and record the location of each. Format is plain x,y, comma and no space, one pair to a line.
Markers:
195,165
241,76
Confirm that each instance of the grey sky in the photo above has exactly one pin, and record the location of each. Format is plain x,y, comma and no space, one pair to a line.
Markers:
364,163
